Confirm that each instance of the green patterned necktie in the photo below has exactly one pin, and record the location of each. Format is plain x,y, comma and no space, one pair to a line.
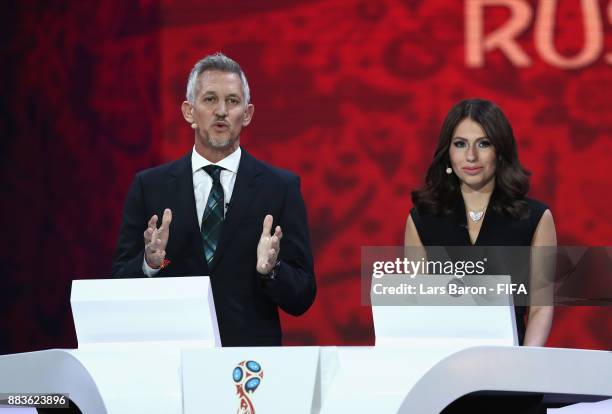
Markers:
212,219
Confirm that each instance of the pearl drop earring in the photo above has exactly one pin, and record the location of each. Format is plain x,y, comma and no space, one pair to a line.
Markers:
194,126
449,170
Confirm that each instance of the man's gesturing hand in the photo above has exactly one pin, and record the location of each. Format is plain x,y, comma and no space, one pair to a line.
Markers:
268,247
156,239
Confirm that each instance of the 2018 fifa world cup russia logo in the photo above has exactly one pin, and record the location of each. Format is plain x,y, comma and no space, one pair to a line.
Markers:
247,376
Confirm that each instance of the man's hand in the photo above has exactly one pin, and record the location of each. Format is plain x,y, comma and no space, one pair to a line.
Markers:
156,239
268,247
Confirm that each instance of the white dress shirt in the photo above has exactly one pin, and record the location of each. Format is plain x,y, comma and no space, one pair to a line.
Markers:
202,184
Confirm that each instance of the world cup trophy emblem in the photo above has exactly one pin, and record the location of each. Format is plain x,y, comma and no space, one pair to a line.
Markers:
247,377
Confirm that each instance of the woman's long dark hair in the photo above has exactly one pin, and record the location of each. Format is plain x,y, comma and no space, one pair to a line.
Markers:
441,191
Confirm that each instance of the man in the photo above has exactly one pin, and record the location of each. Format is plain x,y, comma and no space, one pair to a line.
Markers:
217,206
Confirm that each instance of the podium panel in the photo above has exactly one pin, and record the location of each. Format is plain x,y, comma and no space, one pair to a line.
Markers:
249,380
463,321
141,310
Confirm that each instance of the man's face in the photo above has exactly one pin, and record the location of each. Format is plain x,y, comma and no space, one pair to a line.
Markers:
219,111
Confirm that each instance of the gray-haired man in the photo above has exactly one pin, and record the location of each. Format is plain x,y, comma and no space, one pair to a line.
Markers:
218,206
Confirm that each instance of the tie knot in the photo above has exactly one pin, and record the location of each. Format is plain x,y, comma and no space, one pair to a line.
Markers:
214,171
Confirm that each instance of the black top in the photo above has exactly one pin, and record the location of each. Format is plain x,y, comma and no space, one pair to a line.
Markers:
496,230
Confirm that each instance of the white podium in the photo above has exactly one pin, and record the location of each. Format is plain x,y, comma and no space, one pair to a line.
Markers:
147,345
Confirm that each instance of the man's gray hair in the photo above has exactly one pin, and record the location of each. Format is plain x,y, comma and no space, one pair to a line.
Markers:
219,62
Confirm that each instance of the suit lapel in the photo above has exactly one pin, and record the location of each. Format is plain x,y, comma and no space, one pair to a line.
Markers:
244,190
181,180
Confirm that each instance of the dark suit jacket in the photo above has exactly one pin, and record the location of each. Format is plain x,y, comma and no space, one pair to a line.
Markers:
247,308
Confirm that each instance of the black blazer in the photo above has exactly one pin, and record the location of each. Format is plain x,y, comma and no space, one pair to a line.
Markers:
246,307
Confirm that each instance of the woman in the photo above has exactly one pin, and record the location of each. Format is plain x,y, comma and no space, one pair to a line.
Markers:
475,194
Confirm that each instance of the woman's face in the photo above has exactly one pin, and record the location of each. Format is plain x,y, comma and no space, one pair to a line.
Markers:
472,156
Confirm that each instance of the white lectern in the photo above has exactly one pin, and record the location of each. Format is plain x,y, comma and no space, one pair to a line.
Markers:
146,346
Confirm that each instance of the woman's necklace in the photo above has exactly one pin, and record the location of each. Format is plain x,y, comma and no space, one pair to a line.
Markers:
475,216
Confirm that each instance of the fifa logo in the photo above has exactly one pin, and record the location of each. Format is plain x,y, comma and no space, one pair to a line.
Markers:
247,376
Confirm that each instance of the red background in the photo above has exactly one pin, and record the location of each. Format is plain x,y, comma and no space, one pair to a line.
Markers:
348,94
